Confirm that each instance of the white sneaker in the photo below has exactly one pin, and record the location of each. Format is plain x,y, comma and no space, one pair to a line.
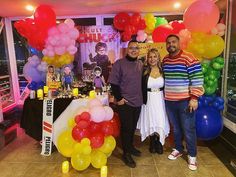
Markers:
174,155
192,163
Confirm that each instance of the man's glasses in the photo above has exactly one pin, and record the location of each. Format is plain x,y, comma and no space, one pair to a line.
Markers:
134,48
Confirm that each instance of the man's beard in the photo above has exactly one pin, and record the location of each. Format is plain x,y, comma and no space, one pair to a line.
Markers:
172,49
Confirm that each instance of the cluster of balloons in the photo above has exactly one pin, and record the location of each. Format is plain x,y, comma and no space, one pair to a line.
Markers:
59,60
61,39
90,138
211,70
211,101
36,29
35,69
128,25
209,123
204,45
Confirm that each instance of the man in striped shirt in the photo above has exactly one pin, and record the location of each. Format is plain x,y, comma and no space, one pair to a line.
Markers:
183,86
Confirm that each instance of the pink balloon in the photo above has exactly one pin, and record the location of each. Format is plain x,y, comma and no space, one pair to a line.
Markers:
73,33
53,31
63,28
65,40
220,27
72,50
94,102
60,50
98,114
109,113
201,16
214,30
70,23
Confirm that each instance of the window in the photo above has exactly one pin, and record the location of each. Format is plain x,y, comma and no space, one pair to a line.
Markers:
6,92
231,70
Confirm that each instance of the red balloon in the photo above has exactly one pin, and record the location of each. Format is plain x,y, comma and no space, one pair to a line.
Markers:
107,128
142,24
77,118
177,26
83,124
85,116
96,140
115,121
130,29
44,16
135,19
121,20
78,134
161,32
125,36
95,127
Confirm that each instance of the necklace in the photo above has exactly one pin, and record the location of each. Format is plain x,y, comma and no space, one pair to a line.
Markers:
155,73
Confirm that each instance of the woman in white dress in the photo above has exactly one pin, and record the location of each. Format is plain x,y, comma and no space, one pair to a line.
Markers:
153,121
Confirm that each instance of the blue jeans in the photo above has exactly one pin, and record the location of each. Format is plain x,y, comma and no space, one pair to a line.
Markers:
183,123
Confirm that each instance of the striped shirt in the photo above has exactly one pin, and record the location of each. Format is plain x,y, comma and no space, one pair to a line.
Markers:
183,77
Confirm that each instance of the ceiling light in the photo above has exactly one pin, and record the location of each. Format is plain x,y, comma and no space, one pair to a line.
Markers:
29,8
177,5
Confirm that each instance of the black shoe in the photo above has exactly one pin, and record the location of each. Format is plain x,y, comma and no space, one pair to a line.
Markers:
158,146
128,160
136,152
152,147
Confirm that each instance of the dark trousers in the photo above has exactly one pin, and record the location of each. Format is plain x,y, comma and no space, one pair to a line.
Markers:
128,118
183,123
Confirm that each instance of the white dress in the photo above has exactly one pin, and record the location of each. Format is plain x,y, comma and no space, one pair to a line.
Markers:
153,118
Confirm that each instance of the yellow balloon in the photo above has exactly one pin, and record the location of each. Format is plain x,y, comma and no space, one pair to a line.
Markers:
87,149
98,159
71,122
85,141
214,46
80,161
66,143
78,148
108,145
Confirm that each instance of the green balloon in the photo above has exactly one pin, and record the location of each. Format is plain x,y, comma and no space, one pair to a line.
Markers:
204,69
211,71
219,60
211,83
160,21
217,66
209,90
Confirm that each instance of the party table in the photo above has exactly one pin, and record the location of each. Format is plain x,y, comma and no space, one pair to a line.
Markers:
64,109
31,120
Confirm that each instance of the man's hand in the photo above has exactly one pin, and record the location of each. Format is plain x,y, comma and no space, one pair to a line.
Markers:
122,102
193,105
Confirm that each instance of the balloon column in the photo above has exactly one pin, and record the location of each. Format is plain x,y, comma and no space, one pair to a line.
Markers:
211,70
56,42
90,136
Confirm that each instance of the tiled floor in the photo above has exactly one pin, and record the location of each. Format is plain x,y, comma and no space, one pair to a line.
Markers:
22,158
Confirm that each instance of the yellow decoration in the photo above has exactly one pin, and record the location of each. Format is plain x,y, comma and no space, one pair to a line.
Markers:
45,89
75,91
65,167
40,93
103,171
92,94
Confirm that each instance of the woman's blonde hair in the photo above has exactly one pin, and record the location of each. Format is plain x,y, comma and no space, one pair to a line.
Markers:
156,52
